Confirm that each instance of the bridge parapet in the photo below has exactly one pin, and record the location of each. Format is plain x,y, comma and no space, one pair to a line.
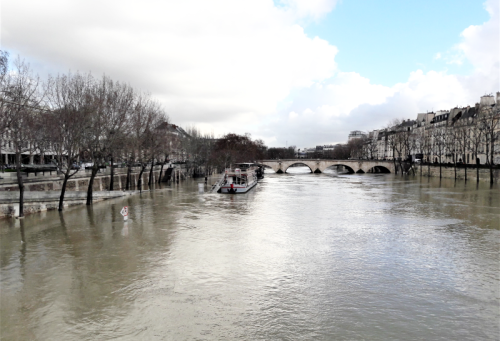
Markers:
320,165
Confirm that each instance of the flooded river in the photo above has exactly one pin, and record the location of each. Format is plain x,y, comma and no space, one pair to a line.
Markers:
301,257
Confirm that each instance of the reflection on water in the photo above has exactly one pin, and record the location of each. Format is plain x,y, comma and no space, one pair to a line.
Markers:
303,256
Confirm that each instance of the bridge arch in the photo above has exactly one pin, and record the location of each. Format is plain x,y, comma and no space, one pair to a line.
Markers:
379,169
336,167
298,163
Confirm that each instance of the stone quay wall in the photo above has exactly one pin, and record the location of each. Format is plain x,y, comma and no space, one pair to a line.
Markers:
449,173
42,190
78,182
45,201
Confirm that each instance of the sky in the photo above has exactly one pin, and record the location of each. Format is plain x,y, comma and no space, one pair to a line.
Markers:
289,72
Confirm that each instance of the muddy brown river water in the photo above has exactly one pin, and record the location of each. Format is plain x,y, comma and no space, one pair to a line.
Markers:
301,257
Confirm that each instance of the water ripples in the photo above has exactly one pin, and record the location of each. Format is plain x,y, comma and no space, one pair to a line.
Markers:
301,257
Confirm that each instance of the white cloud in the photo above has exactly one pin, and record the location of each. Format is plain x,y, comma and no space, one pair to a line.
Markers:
309,8
232,66
218,61
349,101
481,43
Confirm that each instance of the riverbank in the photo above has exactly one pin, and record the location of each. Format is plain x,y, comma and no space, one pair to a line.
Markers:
448,172
42,190
79,181
40,201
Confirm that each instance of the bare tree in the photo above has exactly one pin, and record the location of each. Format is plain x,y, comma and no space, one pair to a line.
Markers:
69,121
94,138
393,141
356,148
489,122
22,96
143,120
405,137
372,148
117,105
452,143
4,113
476,140
462,136
428,146
417,143
439,145
154,141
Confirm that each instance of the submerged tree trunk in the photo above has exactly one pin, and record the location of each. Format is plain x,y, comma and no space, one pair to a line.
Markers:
63,191
91,184
139,181
112,176
455,166
129,175
150,181
477,168
161,172
20,183
492,150
67,175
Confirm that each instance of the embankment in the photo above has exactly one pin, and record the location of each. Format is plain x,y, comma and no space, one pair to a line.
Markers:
42,191
449,173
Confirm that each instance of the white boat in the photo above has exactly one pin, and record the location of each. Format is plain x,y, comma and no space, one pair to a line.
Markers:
239,179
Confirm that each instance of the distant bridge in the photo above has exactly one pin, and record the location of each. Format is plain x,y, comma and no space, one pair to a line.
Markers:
319,165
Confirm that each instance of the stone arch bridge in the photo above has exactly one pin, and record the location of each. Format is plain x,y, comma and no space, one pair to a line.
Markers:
319,165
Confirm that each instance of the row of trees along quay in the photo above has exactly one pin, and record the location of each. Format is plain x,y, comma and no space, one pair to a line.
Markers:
77,116
458,138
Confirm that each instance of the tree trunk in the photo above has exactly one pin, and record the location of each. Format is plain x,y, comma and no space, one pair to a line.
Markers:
63,191
455,166
477,169
129,175
492,149
67,175
20,183
161,172
2,158
91,184
150,181
139,181
465,170
111,180
440,165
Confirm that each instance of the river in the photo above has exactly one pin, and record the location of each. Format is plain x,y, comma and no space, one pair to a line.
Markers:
300,257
